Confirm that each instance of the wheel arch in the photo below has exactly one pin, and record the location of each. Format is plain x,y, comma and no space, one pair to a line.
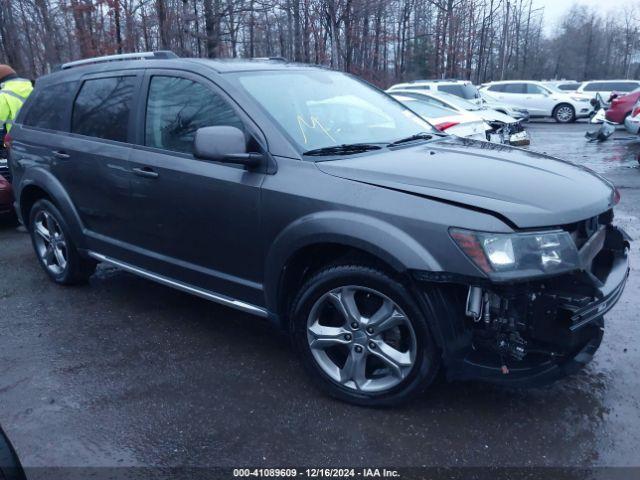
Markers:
325,238
37,184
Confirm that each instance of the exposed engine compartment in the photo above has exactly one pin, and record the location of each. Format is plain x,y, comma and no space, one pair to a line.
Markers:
515,332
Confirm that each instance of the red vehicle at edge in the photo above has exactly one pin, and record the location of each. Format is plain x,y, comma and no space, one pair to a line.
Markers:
622,106
6,198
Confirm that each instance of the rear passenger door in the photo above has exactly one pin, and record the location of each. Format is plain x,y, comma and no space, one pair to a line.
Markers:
93,161
196,221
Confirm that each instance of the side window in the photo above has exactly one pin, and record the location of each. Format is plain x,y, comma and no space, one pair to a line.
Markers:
102,108
625,86
515,88
177,107
593,87
534,89
49,106
497,88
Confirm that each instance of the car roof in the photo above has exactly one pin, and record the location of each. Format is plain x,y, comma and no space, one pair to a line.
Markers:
497,82
443,81
612,81
215,65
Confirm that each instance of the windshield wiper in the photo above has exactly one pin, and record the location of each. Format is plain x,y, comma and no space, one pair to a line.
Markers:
417,136
345,149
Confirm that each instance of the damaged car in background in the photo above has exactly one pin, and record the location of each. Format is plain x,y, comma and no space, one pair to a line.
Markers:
461,124
492,103
504,129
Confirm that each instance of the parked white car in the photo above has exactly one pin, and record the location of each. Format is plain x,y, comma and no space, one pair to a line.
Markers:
445,119
564,85
541,100
460,88
632,122
606,87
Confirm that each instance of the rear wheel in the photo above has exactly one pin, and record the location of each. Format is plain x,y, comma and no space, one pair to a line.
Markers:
564,113
56,252
362,338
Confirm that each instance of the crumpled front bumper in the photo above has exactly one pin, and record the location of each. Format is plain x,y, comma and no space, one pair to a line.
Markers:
558,323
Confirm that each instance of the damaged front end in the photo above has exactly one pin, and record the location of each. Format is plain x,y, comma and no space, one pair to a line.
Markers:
534,332
513,134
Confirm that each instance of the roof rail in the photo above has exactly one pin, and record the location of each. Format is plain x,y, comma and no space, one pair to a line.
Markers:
439,80
273,59
159,55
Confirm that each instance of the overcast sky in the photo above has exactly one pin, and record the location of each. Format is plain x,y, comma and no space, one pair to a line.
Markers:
554,9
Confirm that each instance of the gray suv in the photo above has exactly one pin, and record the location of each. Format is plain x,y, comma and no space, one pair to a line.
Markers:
388,250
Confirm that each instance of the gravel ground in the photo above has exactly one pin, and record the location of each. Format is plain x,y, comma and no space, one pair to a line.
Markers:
124,372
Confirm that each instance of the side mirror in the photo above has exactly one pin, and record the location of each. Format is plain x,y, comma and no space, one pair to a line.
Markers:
224,144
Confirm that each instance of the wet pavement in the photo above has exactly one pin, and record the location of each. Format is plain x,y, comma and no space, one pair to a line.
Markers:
127,372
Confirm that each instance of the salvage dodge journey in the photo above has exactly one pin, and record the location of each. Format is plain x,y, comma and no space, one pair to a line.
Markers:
388,250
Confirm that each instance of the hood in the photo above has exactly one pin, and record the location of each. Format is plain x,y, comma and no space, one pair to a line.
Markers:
491,116
528,189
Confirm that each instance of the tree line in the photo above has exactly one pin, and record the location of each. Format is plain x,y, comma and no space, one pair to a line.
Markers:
384,41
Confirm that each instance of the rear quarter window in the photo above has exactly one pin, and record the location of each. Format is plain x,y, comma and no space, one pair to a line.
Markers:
625,86
49,107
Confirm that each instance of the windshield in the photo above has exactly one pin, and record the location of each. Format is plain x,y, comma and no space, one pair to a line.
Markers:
552,89
319,109
424,109
488,97
466,90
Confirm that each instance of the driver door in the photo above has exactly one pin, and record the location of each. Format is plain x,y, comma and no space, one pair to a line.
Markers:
196,221
540,100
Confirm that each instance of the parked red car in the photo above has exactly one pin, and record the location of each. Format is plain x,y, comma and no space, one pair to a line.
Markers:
6,198
622,106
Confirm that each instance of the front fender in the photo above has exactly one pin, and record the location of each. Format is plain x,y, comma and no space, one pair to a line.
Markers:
47,182
372,235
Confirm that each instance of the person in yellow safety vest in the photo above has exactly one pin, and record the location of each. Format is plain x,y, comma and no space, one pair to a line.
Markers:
13,93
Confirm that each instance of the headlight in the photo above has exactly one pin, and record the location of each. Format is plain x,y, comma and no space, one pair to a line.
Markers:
579,99
504,256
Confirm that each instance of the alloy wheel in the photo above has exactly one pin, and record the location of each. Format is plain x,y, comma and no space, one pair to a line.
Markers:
361,339
564,114
50,242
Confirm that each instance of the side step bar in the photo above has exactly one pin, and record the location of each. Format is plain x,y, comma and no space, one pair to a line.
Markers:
214,297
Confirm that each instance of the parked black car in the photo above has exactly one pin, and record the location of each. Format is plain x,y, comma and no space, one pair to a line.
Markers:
305,196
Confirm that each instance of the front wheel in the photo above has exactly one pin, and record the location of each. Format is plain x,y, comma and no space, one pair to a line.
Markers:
362,337
564,113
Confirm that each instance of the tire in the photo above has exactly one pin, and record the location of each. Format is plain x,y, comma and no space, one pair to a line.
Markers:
564,113
384,374
57,255
10,466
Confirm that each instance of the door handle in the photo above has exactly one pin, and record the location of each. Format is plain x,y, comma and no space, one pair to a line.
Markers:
61,154
145,172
